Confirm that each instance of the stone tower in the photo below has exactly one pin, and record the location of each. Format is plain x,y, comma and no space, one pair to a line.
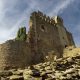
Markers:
62,31
48,34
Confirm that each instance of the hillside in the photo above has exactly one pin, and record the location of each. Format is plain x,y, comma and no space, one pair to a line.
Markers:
71,51
67,68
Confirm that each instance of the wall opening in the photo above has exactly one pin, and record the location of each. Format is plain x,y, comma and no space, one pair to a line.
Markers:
66,45
42,28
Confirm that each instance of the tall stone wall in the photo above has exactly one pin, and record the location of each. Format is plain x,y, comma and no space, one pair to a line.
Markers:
62,31
46,36
63,35
70,38
14,54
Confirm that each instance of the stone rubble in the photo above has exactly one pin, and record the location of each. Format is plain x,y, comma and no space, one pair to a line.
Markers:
61,69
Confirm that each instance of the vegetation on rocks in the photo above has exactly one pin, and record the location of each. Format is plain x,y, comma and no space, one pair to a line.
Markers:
21,34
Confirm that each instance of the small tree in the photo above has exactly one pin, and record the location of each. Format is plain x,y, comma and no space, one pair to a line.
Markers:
21,34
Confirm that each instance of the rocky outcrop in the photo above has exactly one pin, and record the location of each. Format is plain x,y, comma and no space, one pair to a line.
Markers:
61,69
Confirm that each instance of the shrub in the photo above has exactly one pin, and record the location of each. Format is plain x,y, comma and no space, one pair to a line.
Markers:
21,34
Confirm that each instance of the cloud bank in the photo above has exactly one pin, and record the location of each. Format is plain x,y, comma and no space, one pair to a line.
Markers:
16,13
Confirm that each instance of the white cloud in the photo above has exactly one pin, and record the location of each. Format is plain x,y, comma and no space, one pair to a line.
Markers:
60,7
9,26
9,33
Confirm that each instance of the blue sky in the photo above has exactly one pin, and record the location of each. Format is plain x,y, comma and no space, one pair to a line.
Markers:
16,13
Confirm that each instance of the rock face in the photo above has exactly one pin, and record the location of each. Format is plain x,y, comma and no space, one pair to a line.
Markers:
61,69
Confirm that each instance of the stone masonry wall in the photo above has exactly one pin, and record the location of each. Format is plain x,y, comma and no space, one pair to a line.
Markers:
43,39
46,36
70,38
63,35
14,54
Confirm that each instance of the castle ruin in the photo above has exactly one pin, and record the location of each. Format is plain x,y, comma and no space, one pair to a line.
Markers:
46,36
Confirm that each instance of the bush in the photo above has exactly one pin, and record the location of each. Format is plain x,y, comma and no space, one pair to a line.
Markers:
21,34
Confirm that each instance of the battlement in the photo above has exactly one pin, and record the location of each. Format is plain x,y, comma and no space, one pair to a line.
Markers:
43,17
51,20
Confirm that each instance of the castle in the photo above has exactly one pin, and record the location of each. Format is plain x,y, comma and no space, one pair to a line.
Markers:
47,37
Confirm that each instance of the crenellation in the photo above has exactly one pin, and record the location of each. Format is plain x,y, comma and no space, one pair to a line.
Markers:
40,13
43,17
52,21
48,19
34,13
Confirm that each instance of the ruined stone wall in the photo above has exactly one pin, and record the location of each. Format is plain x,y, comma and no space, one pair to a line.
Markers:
62,31
46,36
70,38
63,35
14,54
